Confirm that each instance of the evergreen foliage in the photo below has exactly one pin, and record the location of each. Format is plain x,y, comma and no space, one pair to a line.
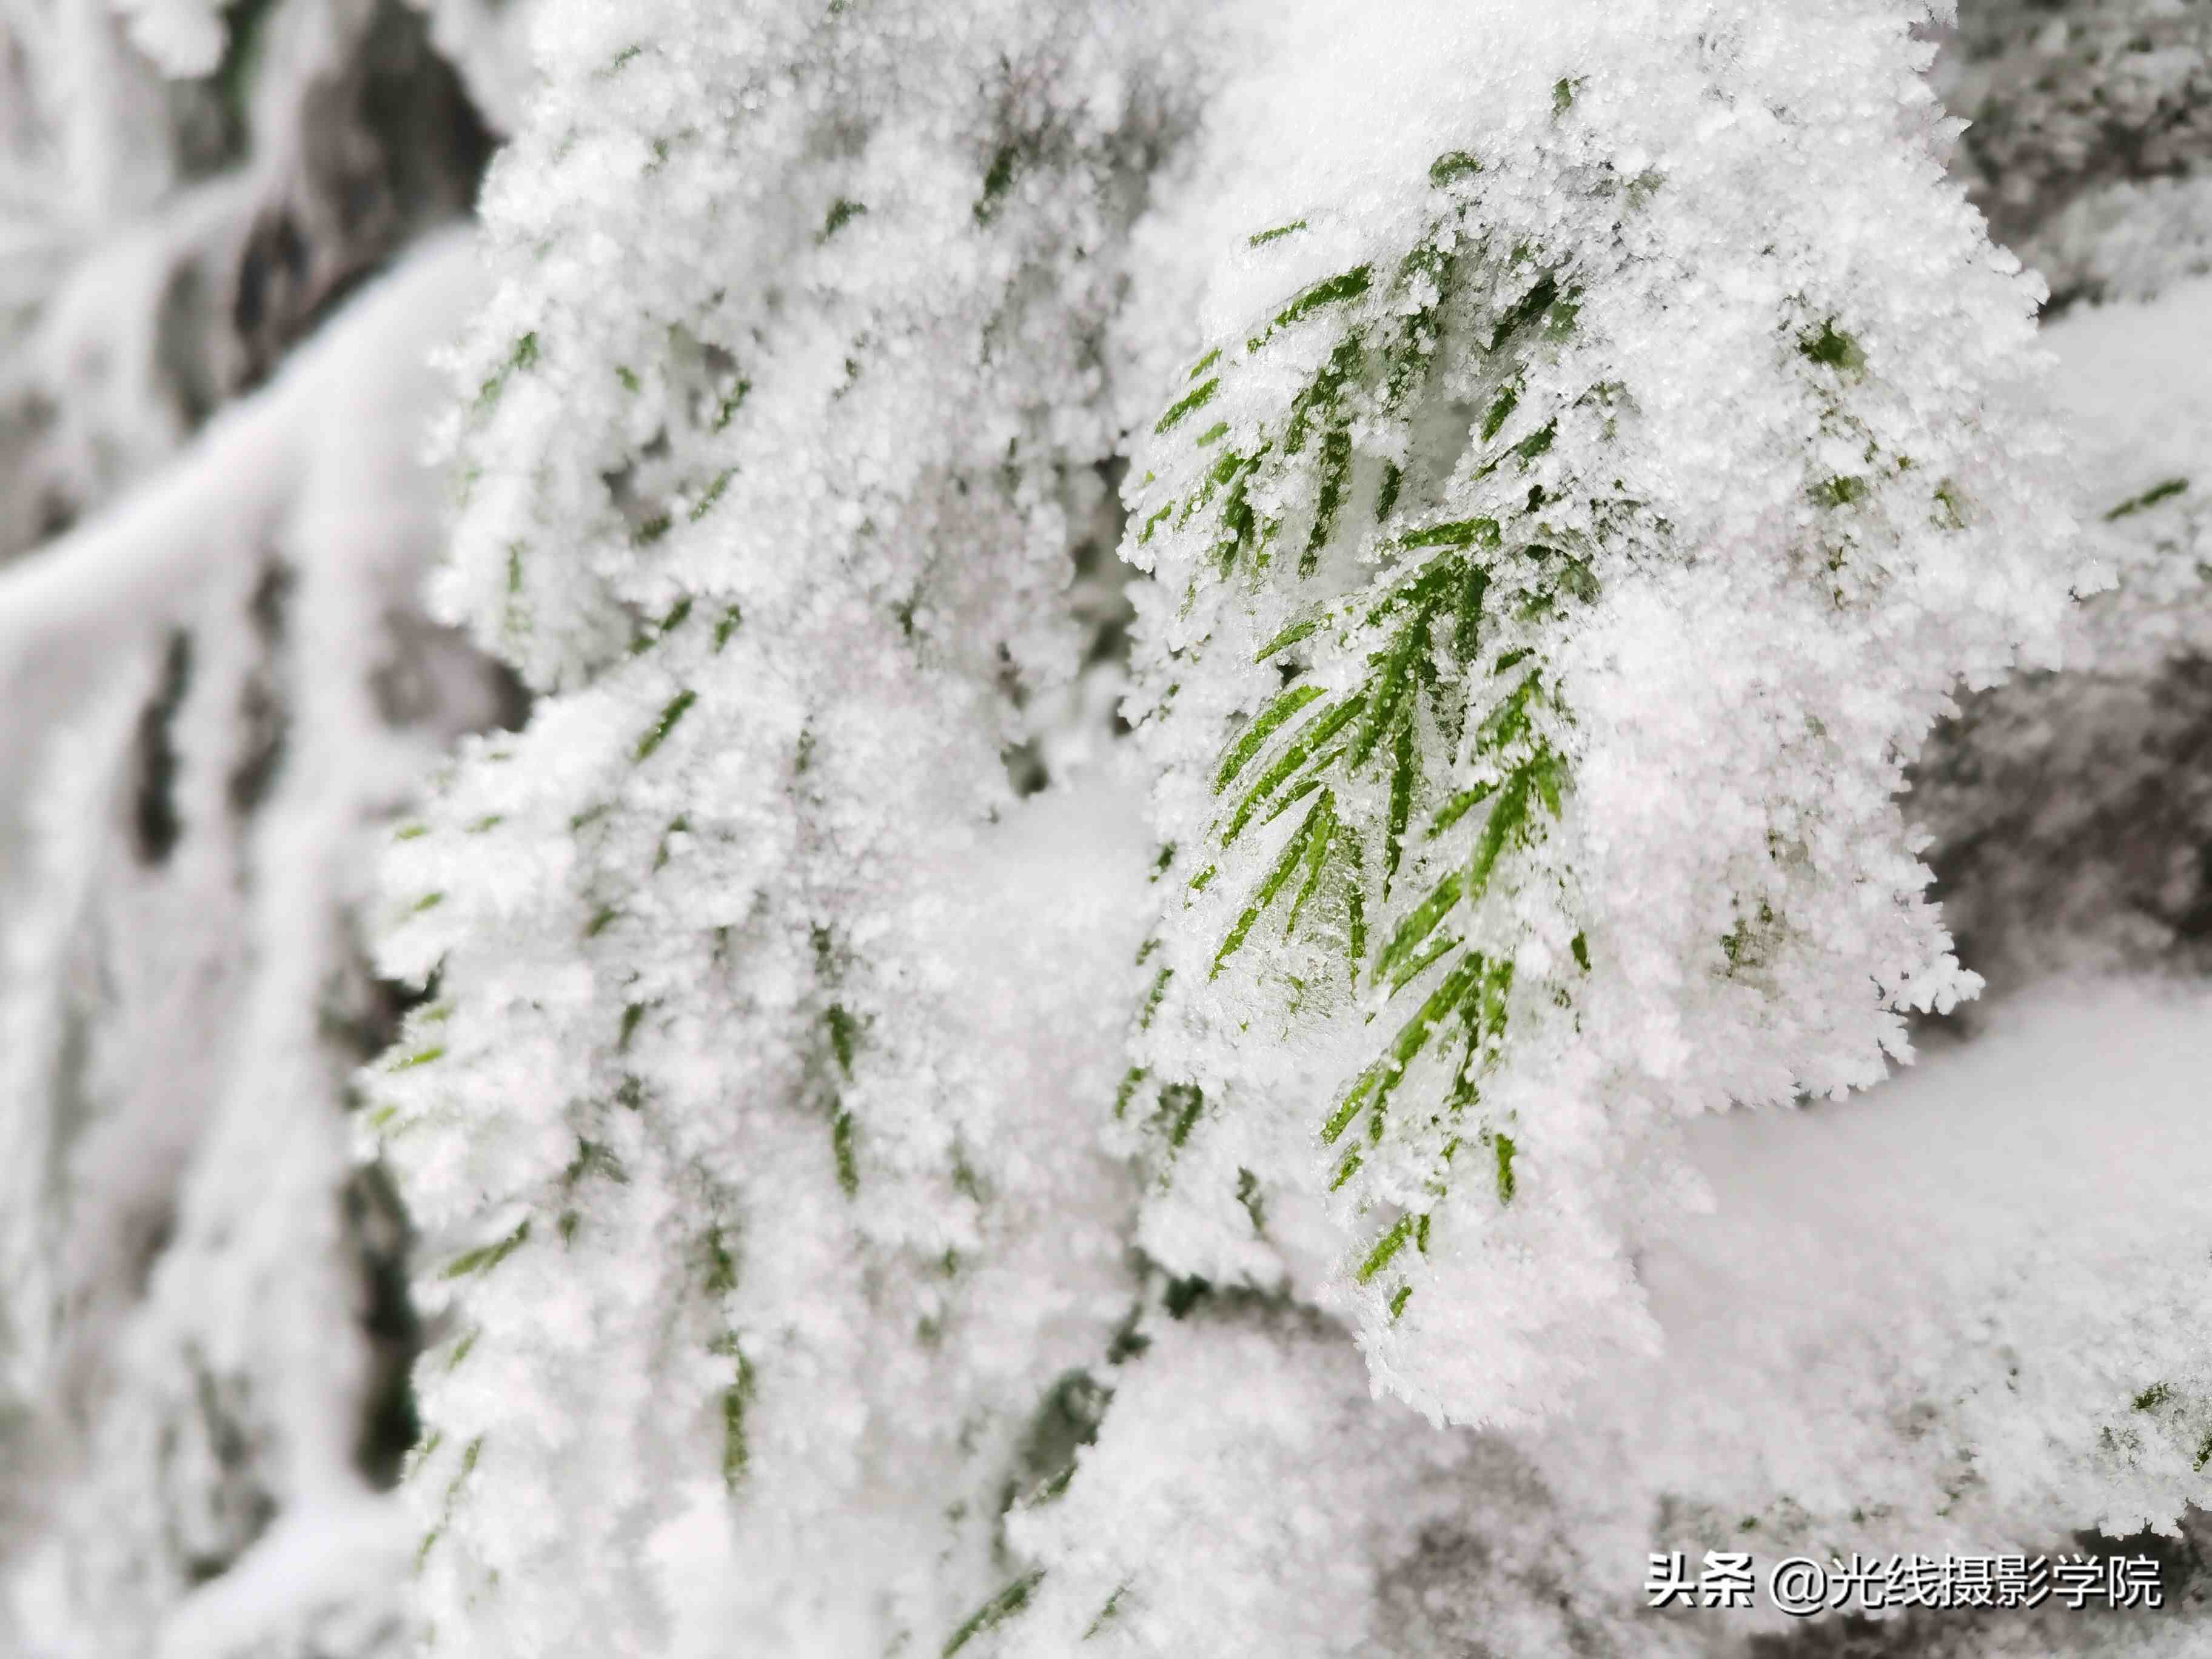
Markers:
937,1106
708,1070
1415,530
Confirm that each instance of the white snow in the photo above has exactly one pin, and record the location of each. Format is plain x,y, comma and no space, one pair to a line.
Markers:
1922,1319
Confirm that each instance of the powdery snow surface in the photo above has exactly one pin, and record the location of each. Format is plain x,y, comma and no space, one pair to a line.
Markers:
1878,1285
1961,1313
1957,1314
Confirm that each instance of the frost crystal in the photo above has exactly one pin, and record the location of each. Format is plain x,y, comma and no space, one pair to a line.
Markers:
778,442
1552,573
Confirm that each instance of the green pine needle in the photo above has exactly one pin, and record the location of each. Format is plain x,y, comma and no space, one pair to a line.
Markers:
2151,497
1419,923
1385,1248
840,1146
995,1612
1329,291
678,706
1254,736
485,1257
1186,405
1289,637
1317,734
1293,853
736,1398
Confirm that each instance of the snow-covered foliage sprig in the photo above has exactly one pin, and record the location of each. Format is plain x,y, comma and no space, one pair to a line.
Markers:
1533,655
777,445
872,1191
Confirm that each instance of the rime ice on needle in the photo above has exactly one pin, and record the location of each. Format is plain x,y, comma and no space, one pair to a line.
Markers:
1552,574
776,443
1562,525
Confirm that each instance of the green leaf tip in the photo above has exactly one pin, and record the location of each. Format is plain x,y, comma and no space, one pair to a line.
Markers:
1183,406
733,401
1386,1248
1182,1104
712,494
524,356
1256,734
995,1612
678,706
1417,924
1249,1194
1329,291
1131,1080
1501,409
1452,165
736,1398
485,1257
1531,305
1460,533
998,179
1289,637
842,1148
1308,842
1290,761
721,1264
1830,346
2151,497
1153,998
844,1032
1113,1605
